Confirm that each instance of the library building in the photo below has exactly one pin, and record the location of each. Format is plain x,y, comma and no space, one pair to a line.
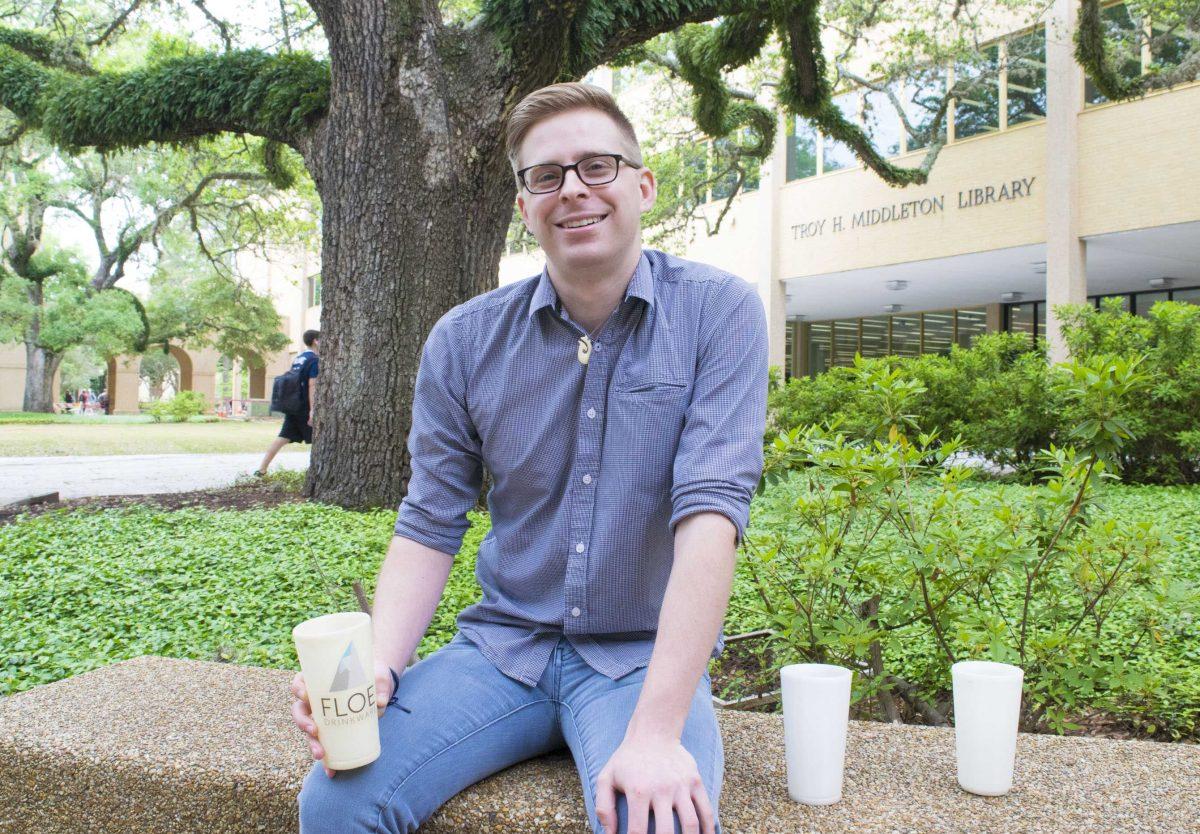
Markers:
1044,194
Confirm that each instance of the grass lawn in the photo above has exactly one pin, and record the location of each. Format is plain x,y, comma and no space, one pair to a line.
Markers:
67,434
81,589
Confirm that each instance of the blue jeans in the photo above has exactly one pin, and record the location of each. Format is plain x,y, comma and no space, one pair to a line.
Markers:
455,719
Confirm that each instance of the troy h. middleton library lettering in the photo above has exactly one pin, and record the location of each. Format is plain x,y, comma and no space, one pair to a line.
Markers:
967,198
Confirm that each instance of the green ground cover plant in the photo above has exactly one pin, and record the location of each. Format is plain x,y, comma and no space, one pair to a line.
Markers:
82,589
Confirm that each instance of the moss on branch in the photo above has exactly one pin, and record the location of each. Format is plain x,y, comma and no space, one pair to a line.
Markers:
1092,53
274,96
45,49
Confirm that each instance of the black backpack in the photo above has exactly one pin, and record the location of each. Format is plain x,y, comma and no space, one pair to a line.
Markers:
289,394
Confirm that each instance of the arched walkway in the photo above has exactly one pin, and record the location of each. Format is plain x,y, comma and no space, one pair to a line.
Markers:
186,382
199,369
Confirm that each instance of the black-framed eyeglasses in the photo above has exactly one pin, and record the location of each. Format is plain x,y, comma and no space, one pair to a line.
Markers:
591,170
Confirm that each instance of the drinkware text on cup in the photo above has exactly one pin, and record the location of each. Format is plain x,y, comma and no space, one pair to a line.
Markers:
342,709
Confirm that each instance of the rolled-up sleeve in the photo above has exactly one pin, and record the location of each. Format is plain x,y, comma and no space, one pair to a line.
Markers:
720,458
443,447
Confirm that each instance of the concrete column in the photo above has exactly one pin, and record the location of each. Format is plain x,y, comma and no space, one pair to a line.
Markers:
204,374
1066,266
124,382
995,318
773,177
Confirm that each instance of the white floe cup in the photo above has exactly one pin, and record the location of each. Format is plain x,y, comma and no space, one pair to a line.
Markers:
987,707
816,710
336,657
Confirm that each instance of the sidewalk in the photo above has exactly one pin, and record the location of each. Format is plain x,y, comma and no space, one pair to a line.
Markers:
86,476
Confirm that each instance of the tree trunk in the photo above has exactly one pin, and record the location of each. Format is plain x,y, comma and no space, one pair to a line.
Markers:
416,195
41,364
40,367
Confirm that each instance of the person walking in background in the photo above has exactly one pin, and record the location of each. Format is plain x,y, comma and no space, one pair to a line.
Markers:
298,428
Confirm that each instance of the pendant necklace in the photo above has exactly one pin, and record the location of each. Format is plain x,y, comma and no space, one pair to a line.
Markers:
585,346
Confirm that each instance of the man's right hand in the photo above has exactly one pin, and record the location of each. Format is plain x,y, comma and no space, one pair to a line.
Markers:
302,709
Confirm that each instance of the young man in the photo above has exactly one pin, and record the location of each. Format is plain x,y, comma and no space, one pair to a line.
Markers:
618,400
298,428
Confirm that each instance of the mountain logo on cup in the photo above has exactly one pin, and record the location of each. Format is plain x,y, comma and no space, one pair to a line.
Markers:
350,674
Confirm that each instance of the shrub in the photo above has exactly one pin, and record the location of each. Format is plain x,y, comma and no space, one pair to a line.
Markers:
882,558
1006,404
1166,419
180,408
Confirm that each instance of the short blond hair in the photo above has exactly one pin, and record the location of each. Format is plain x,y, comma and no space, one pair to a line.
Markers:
562,98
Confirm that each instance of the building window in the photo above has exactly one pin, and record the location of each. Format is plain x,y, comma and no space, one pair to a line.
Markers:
937,332
906,335
845,342
1143,301
969,325
834,155
882,122
1022,318
1166,48
820,347
977,106
801,149
835,343
1026,77
920,108
312,290
1190,296
875,337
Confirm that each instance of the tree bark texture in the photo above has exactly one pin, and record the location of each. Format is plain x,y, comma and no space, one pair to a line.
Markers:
41,364
416,194
40,367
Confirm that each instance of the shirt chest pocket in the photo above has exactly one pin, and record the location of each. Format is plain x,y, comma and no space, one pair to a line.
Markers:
646,417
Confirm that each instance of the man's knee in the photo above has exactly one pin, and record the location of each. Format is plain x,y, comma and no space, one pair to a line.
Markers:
340,806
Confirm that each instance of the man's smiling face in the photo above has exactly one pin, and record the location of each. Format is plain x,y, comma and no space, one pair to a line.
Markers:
583,227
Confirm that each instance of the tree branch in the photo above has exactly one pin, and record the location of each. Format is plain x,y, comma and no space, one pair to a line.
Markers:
279,97
221,25
115,25
600,35
910,695
45,50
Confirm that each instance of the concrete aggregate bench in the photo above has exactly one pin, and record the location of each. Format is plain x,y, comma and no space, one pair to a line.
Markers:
154,746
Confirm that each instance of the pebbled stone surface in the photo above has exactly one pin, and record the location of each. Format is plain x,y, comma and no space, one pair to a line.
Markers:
157,745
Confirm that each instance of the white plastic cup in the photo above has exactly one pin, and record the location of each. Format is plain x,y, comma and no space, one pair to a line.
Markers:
816,710
987,707
336,657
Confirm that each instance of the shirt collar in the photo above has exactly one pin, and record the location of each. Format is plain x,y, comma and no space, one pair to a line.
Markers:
641,285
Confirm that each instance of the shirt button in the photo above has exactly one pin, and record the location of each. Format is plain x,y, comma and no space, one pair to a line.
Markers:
587,479
591,414
579,548
575,612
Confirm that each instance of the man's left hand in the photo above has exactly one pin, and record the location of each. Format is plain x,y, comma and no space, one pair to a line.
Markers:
655,774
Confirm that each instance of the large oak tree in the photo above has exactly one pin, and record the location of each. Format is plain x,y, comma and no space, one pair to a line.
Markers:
401,130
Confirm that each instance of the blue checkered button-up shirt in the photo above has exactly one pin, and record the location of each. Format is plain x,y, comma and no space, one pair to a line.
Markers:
593,464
